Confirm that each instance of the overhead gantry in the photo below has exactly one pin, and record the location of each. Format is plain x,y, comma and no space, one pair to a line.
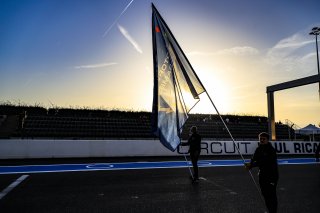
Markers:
282,86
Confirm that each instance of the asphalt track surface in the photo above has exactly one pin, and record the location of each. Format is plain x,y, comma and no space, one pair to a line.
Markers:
103,188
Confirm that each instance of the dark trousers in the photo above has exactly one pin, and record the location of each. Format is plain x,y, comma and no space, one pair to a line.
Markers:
269,193
194,155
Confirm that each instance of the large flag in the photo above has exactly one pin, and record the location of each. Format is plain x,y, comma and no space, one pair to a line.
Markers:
176,85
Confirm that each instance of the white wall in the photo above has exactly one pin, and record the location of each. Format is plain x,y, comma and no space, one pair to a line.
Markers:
20,149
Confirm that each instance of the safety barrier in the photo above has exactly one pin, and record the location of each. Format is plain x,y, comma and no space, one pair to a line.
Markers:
22,149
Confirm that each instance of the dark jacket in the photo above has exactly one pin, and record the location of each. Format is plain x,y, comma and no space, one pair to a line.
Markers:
265,157
194,142
317,151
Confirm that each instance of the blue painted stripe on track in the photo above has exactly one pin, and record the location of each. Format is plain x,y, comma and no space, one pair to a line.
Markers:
134,165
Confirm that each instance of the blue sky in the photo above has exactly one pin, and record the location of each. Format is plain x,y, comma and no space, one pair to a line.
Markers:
56,52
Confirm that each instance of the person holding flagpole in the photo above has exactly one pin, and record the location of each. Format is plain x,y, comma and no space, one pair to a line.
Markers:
194,143
265,157
317,153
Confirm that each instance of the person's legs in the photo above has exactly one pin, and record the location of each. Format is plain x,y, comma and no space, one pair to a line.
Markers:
272,198
194,159
269,193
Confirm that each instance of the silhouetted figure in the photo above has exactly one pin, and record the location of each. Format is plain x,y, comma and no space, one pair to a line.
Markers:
265,157
317,152
194,143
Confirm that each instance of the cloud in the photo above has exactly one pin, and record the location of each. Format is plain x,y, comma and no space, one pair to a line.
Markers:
294,41
295,53
236,51
290,45
126,34
198,53
308,56
93,66
239,51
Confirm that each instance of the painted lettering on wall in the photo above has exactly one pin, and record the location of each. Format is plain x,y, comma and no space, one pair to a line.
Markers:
248,147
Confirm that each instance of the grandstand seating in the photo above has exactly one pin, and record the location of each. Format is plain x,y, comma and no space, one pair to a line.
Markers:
37,122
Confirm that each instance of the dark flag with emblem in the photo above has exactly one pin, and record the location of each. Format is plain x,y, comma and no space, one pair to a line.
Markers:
176,85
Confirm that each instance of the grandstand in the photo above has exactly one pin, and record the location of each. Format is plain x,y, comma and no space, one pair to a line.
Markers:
35,122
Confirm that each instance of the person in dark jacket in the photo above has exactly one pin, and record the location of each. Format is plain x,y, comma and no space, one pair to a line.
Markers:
265,157
194,143
317,153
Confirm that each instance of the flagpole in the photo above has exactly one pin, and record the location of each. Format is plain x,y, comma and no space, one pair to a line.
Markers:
225,126
255,183
185,157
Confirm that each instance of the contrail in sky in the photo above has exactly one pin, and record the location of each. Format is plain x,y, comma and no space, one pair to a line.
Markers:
92,66
124,10
126,34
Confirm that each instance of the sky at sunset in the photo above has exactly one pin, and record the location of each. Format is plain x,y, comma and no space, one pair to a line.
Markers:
98,53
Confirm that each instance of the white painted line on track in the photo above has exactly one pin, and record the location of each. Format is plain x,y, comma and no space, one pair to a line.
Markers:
12,186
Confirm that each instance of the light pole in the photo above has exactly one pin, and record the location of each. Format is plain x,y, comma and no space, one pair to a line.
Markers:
316,31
